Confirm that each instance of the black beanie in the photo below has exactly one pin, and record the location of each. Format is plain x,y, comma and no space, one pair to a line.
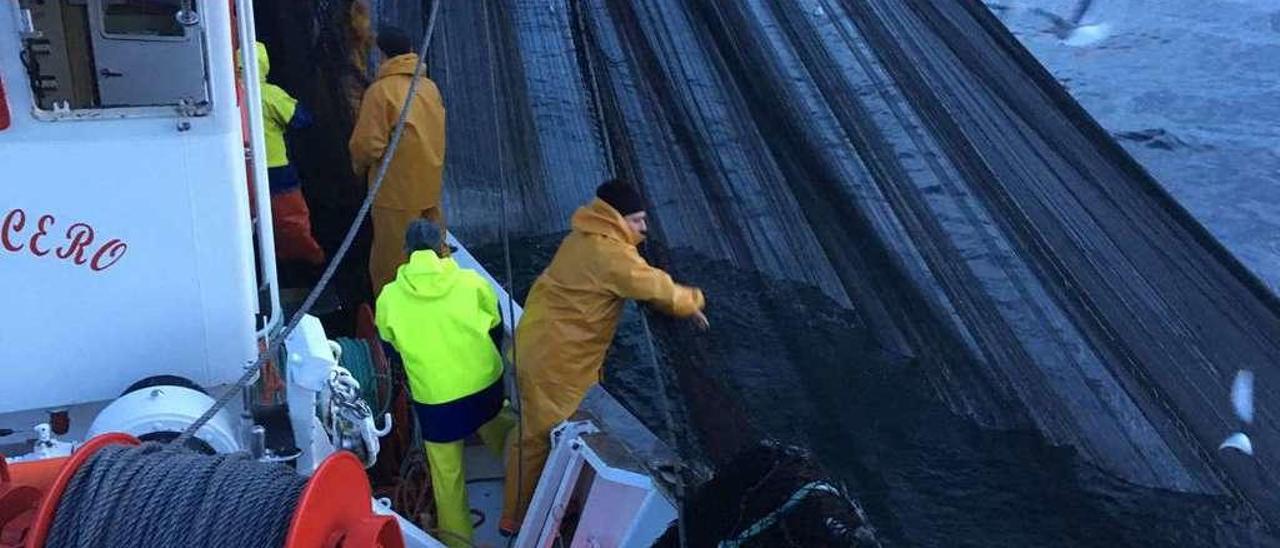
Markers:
394,42
621,196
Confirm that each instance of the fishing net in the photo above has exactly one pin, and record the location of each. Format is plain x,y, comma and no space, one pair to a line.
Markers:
772,495
319,54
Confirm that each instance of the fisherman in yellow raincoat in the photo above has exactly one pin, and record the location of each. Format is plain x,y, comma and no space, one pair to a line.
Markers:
412,188
444,322
569,321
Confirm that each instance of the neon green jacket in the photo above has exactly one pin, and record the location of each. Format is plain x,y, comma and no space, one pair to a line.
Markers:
277,110
438,316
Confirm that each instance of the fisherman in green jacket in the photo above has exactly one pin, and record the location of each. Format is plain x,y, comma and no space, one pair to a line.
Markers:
444,322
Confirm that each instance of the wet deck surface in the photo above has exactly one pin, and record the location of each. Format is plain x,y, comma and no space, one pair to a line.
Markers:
485,474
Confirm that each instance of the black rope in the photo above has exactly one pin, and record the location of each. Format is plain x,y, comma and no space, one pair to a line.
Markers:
670,424
506,254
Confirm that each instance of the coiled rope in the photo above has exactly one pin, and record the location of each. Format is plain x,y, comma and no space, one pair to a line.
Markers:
375,385
145,496
277,341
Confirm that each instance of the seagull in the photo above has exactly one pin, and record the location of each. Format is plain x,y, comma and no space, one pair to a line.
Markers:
1242,403
1242,395
1070,31
1238,441
1002,8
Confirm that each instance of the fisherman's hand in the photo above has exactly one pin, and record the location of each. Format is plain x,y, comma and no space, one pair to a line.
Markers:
700,321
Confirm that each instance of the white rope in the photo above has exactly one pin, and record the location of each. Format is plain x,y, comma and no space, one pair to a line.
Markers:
772,517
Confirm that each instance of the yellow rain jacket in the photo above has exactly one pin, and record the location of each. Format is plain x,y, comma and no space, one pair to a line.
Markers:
414,177
277,110
438,316
569,321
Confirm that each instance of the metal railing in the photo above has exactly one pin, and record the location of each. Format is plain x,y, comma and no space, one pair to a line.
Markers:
263,231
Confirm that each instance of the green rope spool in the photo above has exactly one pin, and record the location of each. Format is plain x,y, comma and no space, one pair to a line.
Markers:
358,359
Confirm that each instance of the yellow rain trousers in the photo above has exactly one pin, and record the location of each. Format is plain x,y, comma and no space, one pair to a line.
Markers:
449,483
568,324
413,185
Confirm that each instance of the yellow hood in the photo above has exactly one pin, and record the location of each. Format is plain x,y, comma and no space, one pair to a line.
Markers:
602,219
428,276
398,65
264,62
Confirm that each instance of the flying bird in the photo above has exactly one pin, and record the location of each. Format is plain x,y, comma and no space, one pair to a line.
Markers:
1242,395
1238,441
1070,30
1242,403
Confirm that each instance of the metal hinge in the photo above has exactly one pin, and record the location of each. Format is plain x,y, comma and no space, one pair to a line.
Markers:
187,109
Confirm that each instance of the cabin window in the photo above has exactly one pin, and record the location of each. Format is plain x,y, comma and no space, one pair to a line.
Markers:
115,54
140,18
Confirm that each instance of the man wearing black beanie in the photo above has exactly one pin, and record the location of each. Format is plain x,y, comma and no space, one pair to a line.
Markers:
569,321
621,196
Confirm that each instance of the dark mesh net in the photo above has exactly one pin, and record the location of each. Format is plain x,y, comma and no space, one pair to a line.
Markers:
768,495
319,53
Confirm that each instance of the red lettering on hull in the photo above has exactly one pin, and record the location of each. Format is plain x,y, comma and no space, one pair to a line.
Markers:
42,230
79,236
78,241
13,223
112,250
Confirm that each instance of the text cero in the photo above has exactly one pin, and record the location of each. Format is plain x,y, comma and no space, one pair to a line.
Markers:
42,237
